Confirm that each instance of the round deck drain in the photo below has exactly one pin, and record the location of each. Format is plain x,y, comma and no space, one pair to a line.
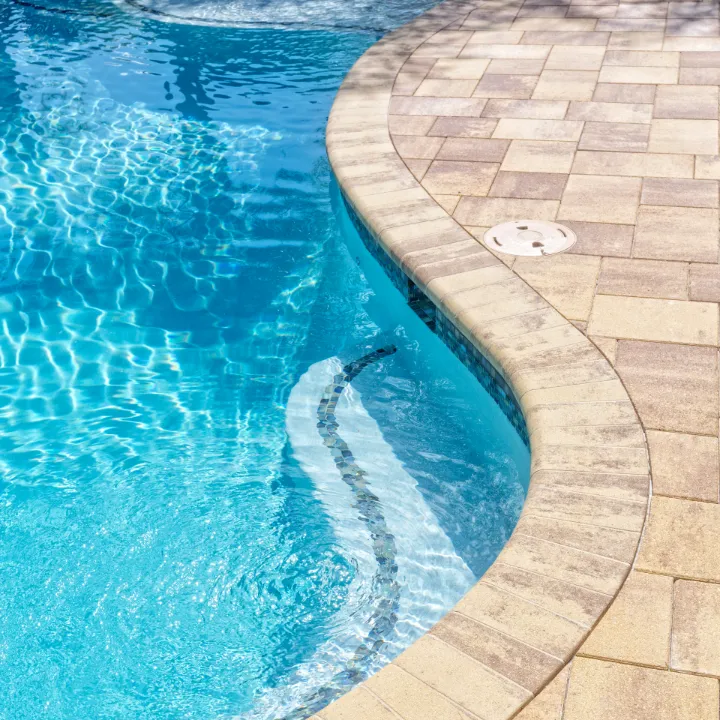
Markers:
529,237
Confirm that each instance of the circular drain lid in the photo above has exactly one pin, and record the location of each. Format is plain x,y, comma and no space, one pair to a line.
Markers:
530,238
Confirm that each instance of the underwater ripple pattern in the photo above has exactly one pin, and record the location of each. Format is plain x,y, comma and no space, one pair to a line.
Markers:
165,278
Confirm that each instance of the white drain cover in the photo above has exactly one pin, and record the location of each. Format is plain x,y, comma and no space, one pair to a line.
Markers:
529,237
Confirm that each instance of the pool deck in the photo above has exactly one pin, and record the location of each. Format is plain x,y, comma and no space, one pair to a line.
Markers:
603,117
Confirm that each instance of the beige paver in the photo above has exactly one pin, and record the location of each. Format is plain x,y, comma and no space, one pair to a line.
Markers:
506,86
674,387
638,40
643,278
412,698
610,112
696,628
538,109
491,211
454,69
624,632
358,703
682,538
566,281
633,164
639,75
676,233
457,126
540,186
571,57
525,129
611,691
410,124
705,282
602,239
625,93
522,664
548,705
684,466
680,192
638,186
566,85
695,137
515,66
539,156
707,167
462,679
596,198
686,102
459,178
473,149
625,137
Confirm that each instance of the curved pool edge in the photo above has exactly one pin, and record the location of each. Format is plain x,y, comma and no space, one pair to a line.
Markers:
579,530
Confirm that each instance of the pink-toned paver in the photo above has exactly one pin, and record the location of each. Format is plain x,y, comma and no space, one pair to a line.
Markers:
602,116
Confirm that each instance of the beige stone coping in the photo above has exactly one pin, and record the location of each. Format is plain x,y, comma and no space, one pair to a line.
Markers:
578,534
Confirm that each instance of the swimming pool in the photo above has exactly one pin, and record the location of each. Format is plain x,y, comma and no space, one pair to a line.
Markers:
238,473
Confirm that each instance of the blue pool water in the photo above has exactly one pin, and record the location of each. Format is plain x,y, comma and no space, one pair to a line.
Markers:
179,287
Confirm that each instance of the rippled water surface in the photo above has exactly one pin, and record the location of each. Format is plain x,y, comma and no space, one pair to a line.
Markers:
179,285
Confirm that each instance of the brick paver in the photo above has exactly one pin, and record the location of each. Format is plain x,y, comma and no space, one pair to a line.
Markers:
603,116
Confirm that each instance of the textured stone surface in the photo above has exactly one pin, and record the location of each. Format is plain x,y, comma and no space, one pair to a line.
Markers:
602,116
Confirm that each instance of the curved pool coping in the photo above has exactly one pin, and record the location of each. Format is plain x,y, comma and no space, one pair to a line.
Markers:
579,530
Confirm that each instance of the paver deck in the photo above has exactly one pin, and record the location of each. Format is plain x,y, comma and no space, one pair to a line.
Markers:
602,116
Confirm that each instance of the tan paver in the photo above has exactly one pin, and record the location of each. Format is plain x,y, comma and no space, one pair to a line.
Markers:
633,164
410,124
707,167
705,282
539,156
674,387
602,239
625,137
639,40
596,198
682,538
462,679
540,186
695,137
459,178
675,233
611,691
566,281
473,149
566,85
603,116
538,109
491,211
624,632
639,75
684,466
548,705
571,57
454,69
457,126
686,102
446,88
411,697
506,86
515,66
626,93
643,278
683,193
610,112
696,628
523,129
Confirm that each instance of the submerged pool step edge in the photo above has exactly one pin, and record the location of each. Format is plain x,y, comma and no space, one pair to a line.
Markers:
578,534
